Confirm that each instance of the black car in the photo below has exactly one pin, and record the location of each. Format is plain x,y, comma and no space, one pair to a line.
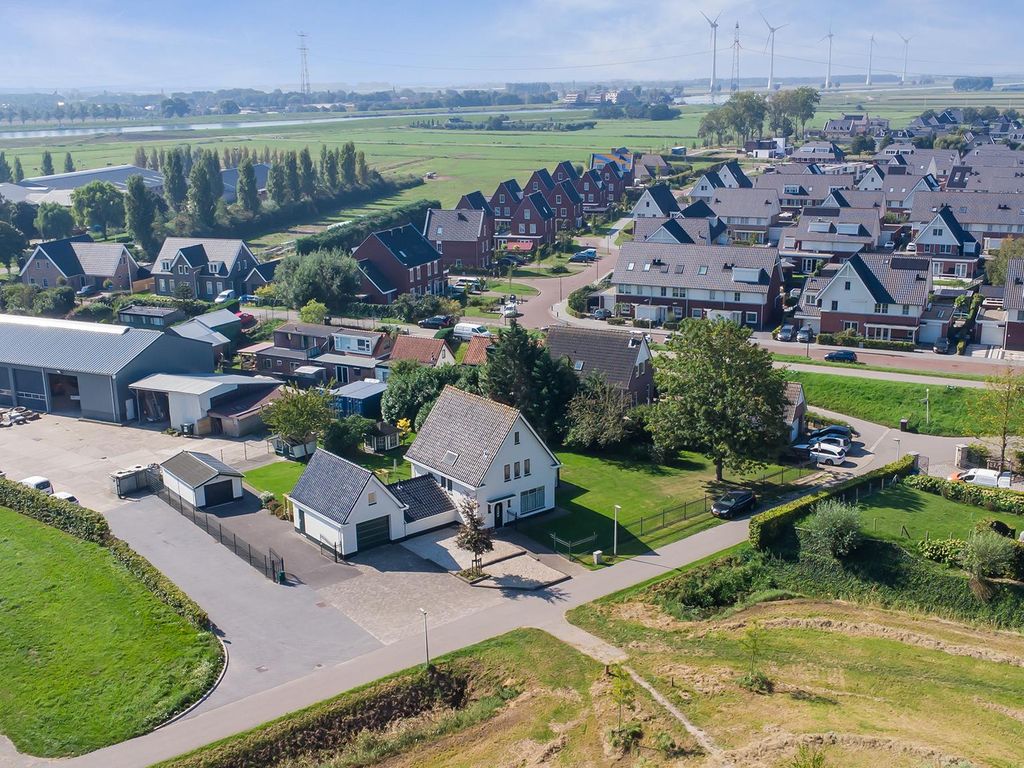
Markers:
941,347
734,503
837,430
841,356
437,321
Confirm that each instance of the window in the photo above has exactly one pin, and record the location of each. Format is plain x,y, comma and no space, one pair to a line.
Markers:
526,467
371,498
664,291
736,297
515,438
906,309
508,472
626,288
696,313
558,199
181,269
531,500
702,270
678,293
881,309
501,198
46,283
517,470
751,318
163,284
533,229
835,306
850,325
936,232
713,295
647,267
630,266
526,213
846,285
522,229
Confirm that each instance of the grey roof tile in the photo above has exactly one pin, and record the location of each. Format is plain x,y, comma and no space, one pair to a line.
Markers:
330,485
195,469
610,354
422,496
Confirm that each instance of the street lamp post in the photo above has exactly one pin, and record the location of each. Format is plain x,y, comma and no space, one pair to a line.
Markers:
426,641
615,532
897,448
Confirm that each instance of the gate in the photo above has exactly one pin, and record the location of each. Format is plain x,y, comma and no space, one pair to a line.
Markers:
276,565
327,549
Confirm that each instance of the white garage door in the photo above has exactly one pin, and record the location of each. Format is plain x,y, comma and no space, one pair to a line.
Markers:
992,334
928,333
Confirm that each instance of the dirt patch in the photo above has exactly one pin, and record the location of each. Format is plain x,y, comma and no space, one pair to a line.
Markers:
707,682
648,614
1016,714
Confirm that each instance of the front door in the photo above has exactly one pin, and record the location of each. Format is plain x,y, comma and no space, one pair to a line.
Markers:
341,374
499,514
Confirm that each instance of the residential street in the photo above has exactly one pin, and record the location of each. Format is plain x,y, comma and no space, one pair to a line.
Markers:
860,373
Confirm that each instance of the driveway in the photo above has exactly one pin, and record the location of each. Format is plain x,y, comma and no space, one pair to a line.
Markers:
273,633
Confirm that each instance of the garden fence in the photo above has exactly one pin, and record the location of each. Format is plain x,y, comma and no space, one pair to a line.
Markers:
270,564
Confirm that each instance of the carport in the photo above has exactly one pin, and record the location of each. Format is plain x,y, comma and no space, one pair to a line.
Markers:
201,480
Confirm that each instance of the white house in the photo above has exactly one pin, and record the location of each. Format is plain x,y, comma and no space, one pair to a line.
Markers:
487,451
656,202
201,480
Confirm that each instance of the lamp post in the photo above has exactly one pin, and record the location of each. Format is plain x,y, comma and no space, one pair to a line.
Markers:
897,448
615,532
426,641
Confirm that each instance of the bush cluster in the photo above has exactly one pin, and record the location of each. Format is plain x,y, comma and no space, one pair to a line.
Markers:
853,340
946,551
353,233
994,499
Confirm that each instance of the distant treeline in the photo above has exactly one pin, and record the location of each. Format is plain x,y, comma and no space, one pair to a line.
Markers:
972,84
503,123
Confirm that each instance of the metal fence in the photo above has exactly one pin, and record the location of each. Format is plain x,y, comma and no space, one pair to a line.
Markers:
270,564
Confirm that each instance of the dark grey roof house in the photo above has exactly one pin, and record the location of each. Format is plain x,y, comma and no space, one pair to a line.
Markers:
622,359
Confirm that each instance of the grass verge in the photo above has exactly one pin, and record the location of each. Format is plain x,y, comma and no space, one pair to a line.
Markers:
801,360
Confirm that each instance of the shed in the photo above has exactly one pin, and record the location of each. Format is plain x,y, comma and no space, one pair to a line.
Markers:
360,398
201,480
382,437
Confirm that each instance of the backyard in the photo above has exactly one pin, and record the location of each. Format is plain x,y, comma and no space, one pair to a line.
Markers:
905,515
279,477
659,503
89,656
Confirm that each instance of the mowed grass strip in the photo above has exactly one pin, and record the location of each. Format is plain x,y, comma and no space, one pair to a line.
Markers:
886,402
906,515
801,360
88,656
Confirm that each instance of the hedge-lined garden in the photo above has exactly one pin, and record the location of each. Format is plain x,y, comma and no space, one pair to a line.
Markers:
350,235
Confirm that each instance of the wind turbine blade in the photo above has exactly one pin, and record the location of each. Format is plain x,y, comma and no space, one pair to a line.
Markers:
705,16
764,20
717,18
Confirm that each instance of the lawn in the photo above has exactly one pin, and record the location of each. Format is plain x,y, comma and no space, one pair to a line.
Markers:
904,515
592,485
801,360
88,655
886,402
279,477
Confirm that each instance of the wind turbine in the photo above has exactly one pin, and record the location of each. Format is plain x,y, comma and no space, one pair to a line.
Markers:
906,55
828,70
771,42
714,50
871,56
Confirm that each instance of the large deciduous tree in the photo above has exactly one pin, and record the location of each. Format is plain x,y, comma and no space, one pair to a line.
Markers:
12,243
201,203
997,264
299,415
331,277
720,395
998,411
54,221
98,204
598,415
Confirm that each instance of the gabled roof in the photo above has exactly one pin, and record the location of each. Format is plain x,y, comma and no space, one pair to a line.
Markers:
406,245
375,276
117,175
460,225
462,435
734,168
663,198
810,185
794,396
200,251
476,201
425,350
195,469
422,497
569,190
62,253
568,169
610,354
218,318
544,178
537,201
512,187
855,198
330,486
1013,294
962,236
758,203
891,279
714,267
970,208
697,210
476,352
671,229
265,270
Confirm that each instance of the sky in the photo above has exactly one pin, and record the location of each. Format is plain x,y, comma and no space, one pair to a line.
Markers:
188,44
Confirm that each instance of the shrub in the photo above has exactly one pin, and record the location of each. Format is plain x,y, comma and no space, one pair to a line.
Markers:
836,527
616,321
994,499
80,522
559,269
996,526
945,551
987,554
671,325
977,453
639,323
265,498
353,233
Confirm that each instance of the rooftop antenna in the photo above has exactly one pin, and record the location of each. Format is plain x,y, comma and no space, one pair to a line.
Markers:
714,51
736,59
828,69
771,42
304,65
906,56
871,56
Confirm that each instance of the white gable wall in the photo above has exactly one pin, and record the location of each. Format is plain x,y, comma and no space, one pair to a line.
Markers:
543,475
343,537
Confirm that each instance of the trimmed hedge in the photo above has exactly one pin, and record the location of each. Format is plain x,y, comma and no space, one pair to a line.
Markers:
851,340
85,524
348,236
327,727
995,499
768,527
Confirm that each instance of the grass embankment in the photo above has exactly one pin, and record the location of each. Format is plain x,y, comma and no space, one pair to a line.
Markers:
88,655
886,402
591,486
906,515
526,695
801,360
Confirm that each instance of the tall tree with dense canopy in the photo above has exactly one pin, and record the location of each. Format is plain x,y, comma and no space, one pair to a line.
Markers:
300,414
277,185
719,394
247,192
996,265
362,169
201,203
140,214
98,204
54,221
998,411
47,166
5,169
212,162
291,176
307,174
141,160
12,244
175,186
347,162
331,171
19,172
331,277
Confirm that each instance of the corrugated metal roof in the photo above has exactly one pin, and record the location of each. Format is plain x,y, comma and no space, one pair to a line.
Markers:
71,345
197,384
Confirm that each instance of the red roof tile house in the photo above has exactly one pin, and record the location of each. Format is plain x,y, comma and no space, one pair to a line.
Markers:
876,296
78,262
424,350
532,220
464,238
953,250
399,260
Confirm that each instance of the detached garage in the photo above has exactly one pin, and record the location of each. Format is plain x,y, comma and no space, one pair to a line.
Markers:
201,480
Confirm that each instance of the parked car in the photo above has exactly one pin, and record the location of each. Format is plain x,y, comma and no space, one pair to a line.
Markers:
842,356
826,454
68,497
889,245
245,318
786,333
838,441
602,314
224,297
436,321
805,335
249,298
466,331
941,346
87,290
584,257
734,503
510,310
989,478
39,483
835,429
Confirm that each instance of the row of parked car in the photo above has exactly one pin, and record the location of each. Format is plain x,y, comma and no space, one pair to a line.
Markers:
41,484
828,445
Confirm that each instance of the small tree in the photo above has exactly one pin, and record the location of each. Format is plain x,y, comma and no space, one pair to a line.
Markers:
344,436
836,527
472,535
300,414
987,555
755,643
314,312
999,411
623,691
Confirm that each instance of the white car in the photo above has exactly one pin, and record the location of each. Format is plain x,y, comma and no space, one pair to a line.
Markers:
38,483
224,297
68,497
822,453
836,441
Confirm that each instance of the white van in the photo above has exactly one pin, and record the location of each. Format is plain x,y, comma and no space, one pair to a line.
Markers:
466,331
38,483
989,478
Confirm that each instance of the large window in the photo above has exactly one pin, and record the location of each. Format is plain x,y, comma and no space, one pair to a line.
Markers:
531,501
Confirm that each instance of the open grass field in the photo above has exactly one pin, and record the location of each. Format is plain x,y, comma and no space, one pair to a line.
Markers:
886,402
592,485
532,701
88,655
906,515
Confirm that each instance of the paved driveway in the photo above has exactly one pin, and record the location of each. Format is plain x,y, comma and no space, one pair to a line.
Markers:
273,633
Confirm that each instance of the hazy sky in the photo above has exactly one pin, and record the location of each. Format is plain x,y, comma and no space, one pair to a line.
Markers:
191,44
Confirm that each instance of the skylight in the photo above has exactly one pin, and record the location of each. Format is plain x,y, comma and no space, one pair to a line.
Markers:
450,457
702,269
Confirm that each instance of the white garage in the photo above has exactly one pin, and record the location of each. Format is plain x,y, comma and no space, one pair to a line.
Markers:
201,480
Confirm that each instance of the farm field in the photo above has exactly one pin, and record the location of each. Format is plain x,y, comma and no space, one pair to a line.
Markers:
89,656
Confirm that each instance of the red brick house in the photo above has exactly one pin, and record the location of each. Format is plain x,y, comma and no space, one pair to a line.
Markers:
591,191
615,182
344,354
396,261
532,220
540,181
506,199
565,171
463,237
953,250
475,201
78,262
876,296
567,205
